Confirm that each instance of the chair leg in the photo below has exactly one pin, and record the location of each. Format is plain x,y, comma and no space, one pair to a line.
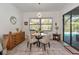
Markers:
49,45
37,44
30,46
27,44
44,47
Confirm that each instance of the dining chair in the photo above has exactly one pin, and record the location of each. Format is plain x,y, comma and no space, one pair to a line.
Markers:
50,35
31,41
45,41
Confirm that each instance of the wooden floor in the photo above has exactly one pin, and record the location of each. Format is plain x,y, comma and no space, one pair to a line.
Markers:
56,48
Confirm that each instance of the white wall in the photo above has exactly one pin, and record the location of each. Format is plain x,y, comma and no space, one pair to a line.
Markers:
6,11
55,17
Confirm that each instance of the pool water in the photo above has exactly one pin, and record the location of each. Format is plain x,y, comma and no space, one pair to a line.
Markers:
75,39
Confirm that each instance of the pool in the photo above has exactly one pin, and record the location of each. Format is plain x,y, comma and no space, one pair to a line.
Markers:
75,38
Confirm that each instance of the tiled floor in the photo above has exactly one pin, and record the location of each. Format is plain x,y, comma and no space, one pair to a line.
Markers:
56,48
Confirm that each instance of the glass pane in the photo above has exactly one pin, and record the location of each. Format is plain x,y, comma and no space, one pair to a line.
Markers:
34,27
67,17
46,21
67,28
75,31
35,21
46,27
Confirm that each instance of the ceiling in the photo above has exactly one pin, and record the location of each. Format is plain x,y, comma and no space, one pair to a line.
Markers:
37,7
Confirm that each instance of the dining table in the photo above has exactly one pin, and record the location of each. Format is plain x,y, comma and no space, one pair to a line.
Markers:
38,40
39,37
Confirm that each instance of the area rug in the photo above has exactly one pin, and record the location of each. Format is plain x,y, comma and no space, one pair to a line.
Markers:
72,50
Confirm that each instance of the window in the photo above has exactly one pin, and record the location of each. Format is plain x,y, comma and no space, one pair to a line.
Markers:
46,24
34,24
43,24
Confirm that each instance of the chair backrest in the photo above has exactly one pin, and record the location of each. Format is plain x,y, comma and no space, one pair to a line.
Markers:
31,39
50,35
45,39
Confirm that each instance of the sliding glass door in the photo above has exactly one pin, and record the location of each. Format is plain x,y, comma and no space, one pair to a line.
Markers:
75,28
67,28
75,31
71,28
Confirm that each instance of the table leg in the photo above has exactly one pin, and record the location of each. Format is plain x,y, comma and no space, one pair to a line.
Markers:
30,46
39,44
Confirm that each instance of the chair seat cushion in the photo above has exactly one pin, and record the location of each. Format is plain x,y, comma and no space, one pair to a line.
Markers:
33,40
44,41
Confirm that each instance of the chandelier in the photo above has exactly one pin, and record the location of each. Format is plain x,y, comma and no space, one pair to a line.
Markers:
39,15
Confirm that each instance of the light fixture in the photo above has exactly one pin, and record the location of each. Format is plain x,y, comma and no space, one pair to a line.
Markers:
39,15
38,3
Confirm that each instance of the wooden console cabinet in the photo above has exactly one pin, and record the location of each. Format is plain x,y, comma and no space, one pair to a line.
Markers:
13,39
